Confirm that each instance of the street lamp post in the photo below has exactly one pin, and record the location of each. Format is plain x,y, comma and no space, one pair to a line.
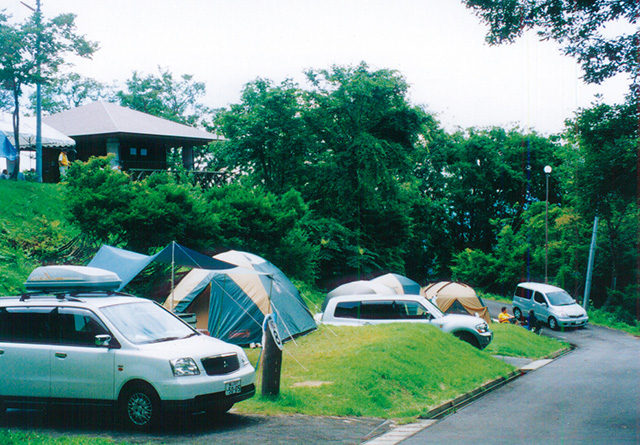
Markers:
547,171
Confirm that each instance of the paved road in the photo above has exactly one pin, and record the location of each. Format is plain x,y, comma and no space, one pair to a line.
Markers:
589,396
200,429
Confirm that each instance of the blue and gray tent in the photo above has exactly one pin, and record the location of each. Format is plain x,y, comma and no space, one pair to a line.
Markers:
232,305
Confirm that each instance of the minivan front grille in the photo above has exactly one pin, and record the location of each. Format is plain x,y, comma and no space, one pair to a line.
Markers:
221,364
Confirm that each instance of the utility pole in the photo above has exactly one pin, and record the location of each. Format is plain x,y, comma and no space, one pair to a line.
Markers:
547,171
38,19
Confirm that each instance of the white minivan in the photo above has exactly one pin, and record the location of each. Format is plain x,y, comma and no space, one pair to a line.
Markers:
73,340
359,310
550,304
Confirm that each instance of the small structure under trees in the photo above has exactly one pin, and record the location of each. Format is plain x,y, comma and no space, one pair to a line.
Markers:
139,142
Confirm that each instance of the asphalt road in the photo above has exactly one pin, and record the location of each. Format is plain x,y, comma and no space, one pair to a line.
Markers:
591,395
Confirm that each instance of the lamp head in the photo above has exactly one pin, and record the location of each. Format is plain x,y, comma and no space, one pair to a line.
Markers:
547,169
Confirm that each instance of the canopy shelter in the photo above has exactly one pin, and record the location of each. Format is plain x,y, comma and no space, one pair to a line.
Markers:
360,287
50,137
456,298
232,306
399,283
127,265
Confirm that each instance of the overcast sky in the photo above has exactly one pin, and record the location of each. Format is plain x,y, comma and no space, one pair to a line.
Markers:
438,45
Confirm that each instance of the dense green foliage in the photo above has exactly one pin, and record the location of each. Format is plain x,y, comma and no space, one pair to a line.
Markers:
33,230
145,216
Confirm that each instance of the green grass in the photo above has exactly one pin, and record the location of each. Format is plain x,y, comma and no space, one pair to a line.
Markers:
516,341
9,437
603,318
397,371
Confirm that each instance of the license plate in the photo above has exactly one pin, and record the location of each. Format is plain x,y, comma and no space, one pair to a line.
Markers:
232,387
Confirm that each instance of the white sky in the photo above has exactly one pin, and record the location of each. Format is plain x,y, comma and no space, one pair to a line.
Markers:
438,45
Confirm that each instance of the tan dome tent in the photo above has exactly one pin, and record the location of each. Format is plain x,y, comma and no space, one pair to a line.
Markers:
456,298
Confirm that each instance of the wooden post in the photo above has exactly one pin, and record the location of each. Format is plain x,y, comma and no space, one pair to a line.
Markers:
271,365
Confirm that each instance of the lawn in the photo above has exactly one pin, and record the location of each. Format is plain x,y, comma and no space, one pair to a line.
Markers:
397,371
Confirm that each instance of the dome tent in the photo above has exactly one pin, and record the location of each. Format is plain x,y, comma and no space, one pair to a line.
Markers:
232,306
459,298
399,283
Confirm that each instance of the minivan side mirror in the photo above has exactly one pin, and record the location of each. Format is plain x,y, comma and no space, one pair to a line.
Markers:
103,340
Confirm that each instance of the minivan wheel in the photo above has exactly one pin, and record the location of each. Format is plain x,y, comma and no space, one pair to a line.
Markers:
517,312
469,338
553,324
140,408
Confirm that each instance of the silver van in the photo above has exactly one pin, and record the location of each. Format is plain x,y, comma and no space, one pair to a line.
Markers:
550,304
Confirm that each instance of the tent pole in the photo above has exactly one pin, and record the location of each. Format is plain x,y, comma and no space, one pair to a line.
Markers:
173,259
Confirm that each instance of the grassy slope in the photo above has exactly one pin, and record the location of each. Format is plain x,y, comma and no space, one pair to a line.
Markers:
392,371
32,220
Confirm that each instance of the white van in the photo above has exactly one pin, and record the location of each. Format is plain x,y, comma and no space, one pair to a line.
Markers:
75,341
550,304
360,310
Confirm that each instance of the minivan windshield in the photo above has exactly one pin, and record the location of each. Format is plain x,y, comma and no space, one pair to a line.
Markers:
560,298
146,322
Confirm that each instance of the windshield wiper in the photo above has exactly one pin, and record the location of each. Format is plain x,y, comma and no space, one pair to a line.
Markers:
159,340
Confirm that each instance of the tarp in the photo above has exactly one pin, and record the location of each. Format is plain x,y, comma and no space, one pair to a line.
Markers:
453,297
399,283
232,306
129,264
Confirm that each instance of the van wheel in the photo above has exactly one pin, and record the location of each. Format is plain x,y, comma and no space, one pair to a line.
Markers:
469,338
517,312
553,324
140,408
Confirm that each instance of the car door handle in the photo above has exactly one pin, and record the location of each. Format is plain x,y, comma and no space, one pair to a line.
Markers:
61,355
1,351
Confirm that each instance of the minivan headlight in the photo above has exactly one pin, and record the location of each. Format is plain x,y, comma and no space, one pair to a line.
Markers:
244,360
184,366
482,328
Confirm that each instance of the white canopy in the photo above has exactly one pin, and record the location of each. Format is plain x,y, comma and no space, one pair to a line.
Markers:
27,131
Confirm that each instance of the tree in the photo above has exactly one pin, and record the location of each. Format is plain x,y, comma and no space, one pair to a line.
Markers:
32,53
267,136
367,135
484,175
68,91
577,25
165,96
606,182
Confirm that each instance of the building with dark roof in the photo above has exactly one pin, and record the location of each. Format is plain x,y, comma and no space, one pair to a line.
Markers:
137,140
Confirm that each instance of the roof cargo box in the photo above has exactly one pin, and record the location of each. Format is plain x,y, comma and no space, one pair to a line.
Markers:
71,279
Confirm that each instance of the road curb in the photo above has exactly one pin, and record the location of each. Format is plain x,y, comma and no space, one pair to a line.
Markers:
397,435
463,400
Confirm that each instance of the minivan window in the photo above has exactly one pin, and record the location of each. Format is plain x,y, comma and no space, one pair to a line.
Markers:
78,327
523,292
378,310
539,298
347,309
413,310
560,298
146,323
25,324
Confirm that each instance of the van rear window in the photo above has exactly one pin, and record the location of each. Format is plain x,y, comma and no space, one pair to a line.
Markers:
523,292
